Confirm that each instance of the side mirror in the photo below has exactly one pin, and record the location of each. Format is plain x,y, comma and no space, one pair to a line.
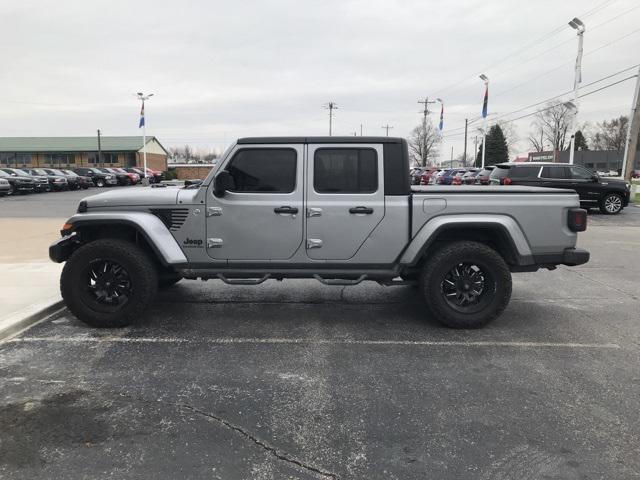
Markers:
594,177
223,182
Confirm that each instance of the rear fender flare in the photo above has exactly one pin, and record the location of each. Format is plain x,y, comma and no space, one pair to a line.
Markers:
434,227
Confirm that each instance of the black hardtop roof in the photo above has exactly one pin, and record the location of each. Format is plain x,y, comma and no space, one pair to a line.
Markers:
285,140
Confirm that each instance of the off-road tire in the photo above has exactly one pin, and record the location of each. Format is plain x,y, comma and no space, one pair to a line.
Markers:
616,201
141,272
443,260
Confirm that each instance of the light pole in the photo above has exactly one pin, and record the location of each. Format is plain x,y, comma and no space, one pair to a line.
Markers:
570,106
576,24
485,107
143,98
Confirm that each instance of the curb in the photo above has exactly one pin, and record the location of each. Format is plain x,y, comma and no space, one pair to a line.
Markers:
16,324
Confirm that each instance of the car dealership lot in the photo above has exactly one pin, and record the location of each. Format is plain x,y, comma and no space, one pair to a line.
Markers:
294,379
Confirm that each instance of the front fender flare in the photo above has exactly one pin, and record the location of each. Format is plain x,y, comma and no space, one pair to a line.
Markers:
146,224
430,230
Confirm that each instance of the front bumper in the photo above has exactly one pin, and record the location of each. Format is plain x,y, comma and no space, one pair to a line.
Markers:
62,248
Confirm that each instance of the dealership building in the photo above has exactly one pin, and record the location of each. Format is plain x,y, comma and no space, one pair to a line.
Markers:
71,152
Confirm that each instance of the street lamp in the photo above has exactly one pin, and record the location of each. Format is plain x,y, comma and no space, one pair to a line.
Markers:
577,25
143,98
485,106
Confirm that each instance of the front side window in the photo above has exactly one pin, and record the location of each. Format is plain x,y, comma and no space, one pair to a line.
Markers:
345,170
264,170
559,173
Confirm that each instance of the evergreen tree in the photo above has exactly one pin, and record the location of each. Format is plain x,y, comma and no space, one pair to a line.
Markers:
497,150
581,142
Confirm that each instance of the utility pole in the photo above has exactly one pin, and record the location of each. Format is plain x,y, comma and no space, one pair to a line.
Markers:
99,150
633,129
464,157
426,111
475,149
331,106
387,127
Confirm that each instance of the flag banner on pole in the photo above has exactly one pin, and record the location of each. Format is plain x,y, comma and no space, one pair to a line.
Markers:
485,102
141,124
441,117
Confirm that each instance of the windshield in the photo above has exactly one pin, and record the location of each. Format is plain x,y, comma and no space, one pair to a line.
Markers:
95,170
40,171
4,174
56,172
69,172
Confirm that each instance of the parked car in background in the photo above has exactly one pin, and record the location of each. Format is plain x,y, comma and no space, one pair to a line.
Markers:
469,178
56,182
635,174
82,181
99,179
155,176
133,176
72,180
18,183
414,175
5,187
121,178
137,170
447,176
456,179
608,194
483,176
42,181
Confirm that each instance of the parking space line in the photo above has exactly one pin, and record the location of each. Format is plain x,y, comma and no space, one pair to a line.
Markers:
277,341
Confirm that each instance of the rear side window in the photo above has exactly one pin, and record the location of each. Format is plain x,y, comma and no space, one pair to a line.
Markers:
264,170
500,172
345,170
554,172
524,172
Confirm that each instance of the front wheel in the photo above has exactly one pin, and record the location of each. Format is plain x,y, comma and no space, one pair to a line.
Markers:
466,284
611,204
100,183
108,283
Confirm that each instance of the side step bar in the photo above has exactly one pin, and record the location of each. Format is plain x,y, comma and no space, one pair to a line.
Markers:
340,281
243,281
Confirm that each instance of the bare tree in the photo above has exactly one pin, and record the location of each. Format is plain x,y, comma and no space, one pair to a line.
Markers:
611,135
424,142
510,134
551,126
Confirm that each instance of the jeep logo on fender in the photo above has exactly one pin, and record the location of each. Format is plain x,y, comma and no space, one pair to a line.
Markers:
189,243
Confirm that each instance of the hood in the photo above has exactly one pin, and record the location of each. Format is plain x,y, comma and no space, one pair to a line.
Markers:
134,197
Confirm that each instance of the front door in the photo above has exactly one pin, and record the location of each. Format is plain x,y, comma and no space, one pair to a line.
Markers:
345,198
261,218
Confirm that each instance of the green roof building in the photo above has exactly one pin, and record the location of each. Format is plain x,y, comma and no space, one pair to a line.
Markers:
70,152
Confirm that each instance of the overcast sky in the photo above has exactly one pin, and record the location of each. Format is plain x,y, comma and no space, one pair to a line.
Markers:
221,70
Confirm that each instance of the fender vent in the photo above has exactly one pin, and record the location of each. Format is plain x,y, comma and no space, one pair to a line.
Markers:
173,218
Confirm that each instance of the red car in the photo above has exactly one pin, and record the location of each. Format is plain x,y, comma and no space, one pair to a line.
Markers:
483,176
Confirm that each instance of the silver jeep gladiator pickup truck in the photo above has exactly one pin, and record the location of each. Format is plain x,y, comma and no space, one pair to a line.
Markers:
337,209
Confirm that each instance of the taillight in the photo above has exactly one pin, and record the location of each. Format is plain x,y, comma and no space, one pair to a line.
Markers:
456,181
577,220
507,181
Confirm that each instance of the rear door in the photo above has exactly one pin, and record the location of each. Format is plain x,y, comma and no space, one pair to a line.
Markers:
555,176
345,198
261,218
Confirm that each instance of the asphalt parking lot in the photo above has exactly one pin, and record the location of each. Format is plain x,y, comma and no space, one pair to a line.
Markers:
297,380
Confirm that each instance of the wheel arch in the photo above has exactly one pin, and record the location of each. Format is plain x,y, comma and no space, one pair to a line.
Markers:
143,229
500,232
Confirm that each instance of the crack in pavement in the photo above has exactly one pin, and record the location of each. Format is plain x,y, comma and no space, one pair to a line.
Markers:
269,448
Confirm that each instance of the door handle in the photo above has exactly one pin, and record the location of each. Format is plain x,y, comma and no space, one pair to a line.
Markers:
361,210
286,210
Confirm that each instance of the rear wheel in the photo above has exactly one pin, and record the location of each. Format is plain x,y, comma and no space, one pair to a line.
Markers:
108,283
466,284
611,204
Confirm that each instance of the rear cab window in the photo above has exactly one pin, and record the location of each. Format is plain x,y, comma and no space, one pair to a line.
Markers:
345,170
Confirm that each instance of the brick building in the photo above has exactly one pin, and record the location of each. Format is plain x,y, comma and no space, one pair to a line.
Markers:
70,152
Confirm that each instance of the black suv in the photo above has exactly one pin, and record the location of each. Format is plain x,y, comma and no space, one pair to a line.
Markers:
610,195
99,179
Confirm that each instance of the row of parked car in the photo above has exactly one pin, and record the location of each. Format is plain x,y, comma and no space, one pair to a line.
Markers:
30,180
608,194
450,176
